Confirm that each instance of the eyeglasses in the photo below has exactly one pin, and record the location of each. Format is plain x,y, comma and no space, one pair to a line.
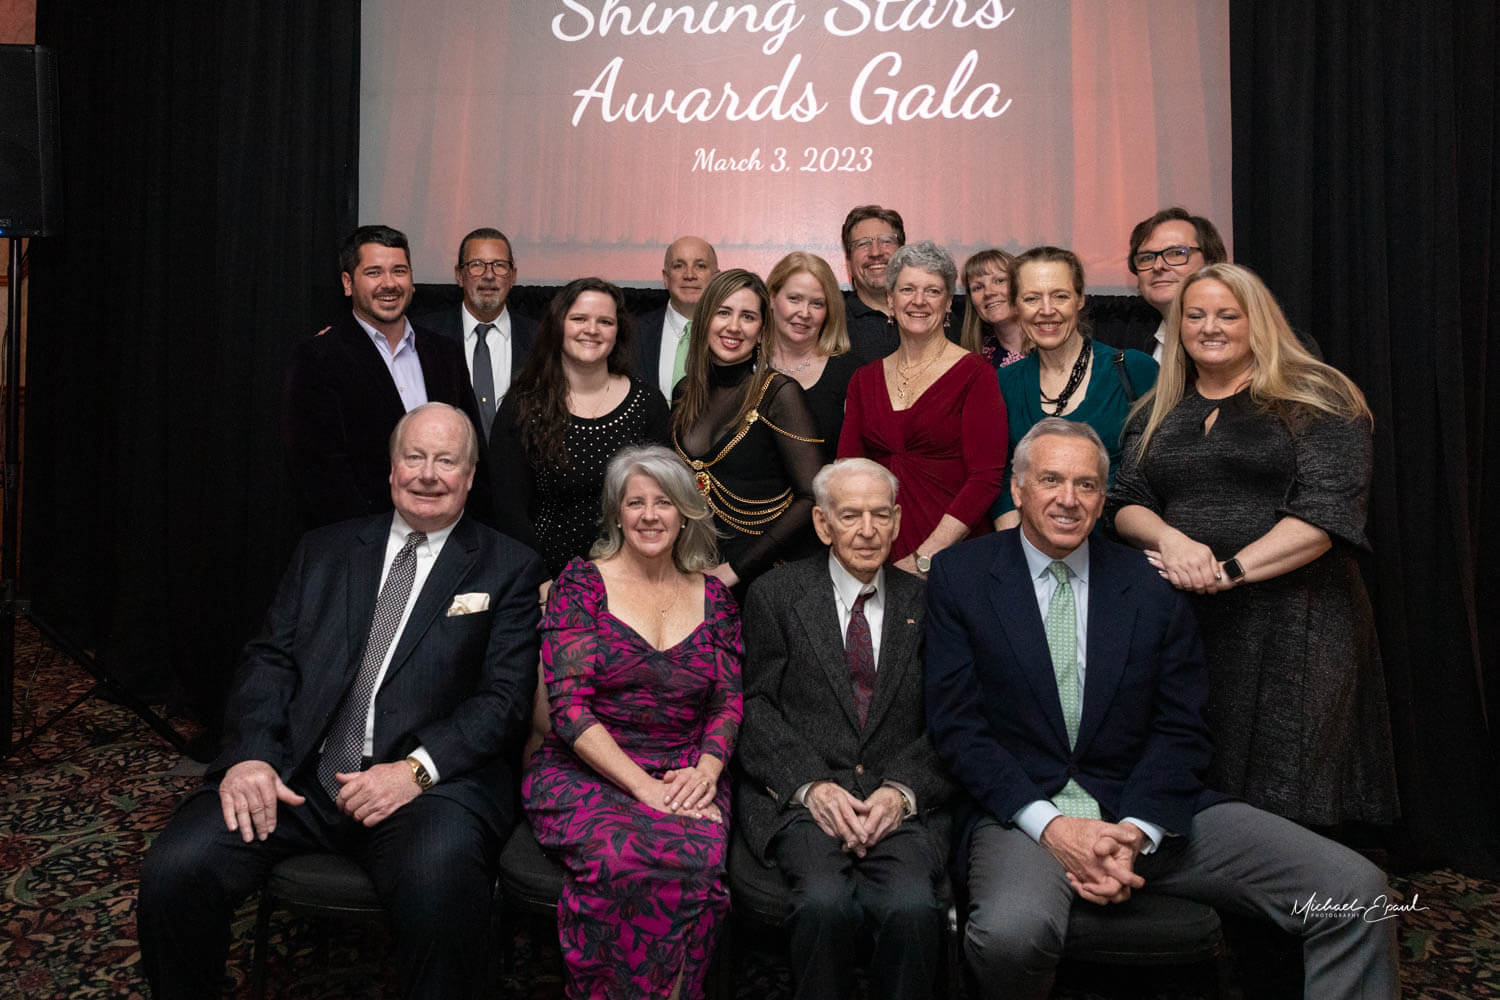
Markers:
889,241
502,268
1172,255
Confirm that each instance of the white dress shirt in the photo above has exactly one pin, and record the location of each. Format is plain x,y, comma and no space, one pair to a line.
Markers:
1034,817
427,553
499,342
1161,341
403,364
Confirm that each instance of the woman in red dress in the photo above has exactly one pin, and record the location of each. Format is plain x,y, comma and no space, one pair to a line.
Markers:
931,413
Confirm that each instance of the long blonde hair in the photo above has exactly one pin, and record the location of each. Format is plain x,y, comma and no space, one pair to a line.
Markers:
833,338
1285,379
993,259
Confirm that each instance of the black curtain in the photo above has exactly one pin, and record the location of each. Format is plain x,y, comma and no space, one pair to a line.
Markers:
1365,194
209,161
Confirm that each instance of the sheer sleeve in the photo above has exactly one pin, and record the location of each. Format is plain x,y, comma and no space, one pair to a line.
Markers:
726,705
571,652
984,439
1331,489
512,480
796,436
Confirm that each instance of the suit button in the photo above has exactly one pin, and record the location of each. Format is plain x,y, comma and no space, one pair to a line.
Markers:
859,769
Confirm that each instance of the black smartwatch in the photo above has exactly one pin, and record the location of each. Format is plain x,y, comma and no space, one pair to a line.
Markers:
1234,570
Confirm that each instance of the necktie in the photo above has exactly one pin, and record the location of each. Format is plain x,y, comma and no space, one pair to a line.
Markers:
344,748
859,652
679,364
1062,641
484,377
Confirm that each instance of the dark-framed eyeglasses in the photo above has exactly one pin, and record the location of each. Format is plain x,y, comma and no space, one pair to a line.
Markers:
886,241
1172,255
476,268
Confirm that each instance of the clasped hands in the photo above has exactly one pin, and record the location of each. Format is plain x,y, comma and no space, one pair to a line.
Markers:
1189,565
856,824
250,790
689,790
1097,857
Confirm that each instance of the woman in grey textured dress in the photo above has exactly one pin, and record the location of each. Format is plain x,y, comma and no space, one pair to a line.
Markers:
1246,476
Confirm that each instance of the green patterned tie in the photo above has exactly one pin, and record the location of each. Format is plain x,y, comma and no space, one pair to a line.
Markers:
1062,641
679,364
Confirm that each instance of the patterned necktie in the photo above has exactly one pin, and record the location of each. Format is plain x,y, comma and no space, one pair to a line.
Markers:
344,748
1062,641
859,652
484,377
679,363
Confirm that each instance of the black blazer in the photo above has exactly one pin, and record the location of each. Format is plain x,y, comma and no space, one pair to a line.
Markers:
338,412
459,685
801,723
992,703
522,334
647,334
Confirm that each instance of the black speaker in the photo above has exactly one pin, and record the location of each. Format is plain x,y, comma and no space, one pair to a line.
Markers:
28,141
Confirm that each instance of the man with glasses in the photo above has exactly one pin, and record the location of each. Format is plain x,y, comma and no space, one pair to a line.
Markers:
348,386
1164,250
498,338
871,234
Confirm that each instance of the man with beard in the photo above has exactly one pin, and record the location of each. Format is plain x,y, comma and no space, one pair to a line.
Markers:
495,339
349,384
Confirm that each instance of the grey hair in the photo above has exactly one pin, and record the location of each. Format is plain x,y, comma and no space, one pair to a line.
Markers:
822,483
924,255
471,437
1020,461
695,549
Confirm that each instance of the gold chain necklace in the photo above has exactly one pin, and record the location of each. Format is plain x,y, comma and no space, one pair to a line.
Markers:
907,375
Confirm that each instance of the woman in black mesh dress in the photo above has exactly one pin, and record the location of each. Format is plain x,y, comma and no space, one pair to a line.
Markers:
746,431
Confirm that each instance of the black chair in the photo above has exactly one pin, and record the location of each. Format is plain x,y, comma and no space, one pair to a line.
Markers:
325,885
1150,929
530,882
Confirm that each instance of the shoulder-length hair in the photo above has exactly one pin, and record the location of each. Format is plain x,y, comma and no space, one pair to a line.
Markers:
1284,378
541,390
694,400
695,549
833,339
994,259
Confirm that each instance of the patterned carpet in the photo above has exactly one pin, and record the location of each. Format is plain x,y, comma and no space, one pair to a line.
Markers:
79,806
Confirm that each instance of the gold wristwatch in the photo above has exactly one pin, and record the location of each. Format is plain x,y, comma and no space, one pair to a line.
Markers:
419,773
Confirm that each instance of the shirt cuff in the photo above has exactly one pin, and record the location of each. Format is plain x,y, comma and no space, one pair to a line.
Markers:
906,793
1153,833
426,758
800,795
1033,818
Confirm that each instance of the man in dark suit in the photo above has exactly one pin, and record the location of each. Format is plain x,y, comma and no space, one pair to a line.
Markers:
1065,690
385,727
482,324
842,789
689,265
348,385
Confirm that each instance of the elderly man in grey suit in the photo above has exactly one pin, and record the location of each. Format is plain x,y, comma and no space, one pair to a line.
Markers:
843,790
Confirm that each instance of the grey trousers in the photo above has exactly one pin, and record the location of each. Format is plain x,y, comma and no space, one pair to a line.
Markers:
1236,858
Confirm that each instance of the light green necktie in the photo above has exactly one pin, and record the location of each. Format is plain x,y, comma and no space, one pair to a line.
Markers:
679,365
1062,641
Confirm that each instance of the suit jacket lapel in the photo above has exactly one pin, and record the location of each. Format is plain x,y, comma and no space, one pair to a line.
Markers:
820,620
1014,600
363,585
1111,620
452,566
898,642
366,361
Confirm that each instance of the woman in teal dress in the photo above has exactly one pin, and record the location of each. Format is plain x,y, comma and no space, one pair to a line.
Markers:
1067,373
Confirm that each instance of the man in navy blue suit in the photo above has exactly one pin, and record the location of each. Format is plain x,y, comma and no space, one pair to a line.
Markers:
379,714
1065,691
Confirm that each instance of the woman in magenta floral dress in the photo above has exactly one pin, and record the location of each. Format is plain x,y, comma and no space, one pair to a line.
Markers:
641,658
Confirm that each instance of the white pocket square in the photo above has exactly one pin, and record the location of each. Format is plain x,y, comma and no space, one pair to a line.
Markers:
468,604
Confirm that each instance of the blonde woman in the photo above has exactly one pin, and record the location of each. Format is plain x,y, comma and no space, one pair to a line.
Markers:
812,341
1245,478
